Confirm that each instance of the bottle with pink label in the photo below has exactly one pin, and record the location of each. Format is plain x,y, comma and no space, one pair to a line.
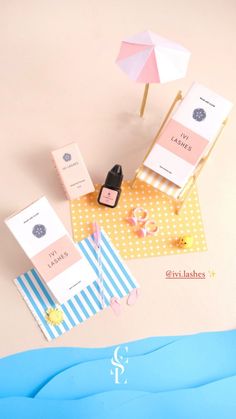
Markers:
109,194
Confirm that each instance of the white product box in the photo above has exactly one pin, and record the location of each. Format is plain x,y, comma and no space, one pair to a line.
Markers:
55,256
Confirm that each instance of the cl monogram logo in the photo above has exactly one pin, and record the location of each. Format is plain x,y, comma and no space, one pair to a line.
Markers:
119,363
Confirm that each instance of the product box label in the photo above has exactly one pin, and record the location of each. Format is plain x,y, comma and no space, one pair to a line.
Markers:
188,134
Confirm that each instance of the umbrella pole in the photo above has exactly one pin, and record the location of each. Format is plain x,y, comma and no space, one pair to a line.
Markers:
143,104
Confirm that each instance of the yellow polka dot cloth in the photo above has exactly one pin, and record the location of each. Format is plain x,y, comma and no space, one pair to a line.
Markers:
124,236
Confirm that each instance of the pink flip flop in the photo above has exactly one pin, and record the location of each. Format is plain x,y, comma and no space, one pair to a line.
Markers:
115,306
133,296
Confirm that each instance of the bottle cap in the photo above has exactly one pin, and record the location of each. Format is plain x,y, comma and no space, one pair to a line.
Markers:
114,177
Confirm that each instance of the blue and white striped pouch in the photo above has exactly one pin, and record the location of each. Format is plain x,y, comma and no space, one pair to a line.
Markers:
117,282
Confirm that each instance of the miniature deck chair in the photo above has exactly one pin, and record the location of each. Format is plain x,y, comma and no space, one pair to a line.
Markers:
178,194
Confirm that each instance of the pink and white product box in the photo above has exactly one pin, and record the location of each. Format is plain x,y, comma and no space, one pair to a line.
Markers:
188,134
43,237
72,171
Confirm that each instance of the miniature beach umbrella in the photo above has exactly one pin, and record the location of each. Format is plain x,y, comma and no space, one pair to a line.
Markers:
149,58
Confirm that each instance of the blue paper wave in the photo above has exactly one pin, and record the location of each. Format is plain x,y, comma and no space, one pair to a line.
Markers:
183,377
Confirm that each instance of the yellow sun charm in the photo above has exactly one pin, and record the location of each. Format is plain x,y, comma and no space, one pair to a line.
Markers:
54,316
186,242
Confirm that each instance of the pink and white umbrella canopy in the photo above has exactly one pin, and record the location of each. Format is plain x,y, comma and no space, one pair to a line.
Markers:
150,58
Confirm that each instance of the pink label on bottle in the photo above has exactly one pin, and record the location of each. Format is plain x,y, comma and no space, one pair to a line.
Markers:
108,197
55,258
182,141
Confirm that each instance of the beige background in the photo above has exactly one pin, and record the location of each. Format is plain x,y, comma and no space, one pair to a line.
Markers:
59,83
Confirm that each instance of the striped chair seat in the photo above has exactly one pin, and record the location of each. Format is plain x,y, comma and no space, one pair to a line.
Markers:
159,182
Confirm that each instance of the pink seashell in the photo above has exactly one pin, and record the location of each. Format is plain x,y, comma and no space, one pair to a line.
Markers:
132,221
142,232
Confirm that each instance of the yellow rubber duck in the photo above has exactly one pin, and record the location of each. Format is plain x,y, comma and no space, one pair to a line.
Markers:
186,242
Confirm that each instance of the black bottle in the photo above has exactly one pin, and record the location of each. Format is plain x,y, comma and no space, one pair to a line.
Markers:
109,194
